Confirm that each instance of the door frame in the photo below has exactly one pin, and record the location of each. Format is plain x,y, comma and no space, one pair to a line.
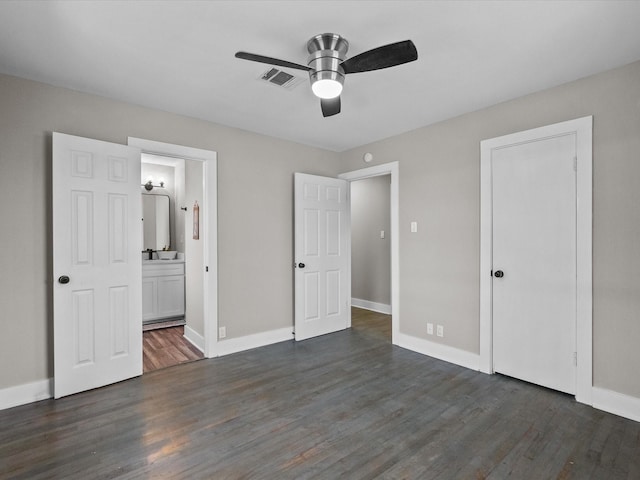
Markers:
582,128
392,169
209,225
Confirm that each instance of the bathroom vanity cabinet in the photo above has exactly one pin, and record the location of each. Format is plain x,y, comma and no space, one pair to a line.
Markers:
162,290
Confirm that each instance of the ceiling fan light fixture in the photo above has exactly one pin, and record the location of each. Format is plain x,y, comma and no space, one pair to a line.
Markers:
326,53
327,65
326,88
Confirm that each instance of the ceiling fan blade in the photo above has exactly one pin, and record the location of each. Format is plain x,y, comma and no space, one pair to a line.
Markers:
330,106
382,57
270,61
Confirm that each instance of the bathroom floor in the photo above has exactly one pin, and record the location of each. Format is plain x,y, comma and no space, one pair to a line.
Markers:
165,347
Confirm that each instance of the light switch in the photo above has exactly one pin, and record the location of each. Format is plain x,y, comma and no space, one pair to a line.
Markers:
414,227
381,233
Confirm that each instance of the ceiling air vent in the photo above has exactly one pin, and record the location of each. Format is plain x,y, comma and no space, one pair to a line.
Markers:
281,79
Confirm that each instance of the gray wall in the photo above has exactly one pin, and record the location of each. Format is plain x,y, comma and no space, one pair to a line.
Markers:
255,178
370,254
194,248
440,189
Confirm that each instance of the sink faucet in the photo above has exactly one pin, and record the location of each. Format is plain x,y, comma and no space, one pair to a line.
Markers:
150,252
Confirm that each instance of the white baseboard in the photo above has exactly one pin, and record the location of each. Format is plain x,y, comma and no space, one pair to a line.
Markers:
194,337
439,351
234,345
27,393
373,306
616,403
606,400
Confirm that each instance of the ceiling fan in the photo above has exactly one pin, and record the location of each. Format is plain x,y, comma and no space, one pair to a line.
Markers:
327,65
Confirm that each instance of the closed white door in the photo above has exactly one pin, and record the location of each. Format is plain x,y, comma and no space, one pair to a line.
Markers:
97,293
534,261
322,256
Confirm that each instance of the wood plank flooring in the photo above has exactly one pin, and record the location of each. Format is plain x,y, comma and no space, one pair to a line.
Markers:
166,347
371,323
346,405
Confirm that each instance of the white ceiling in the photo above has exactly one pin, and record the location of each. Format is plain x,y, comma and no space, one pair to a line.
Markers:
178,56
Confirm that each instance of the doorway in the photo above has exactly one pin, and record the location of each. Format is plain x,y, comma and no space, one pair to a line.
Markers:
371,255
391,171
202,282
572,136
172,317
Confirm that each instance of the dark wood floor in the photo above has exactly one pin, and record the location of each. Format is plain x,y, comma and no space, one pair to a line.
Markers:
166,347
346,405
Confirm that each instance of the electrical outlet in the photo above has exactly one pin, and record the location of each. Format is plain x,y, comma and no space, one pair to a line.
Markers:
440,331
414,227
222,332
429,328
381,233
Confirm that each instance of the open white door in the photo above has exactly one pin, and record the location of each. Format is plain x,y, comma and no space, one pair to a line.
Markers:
97,284
322,256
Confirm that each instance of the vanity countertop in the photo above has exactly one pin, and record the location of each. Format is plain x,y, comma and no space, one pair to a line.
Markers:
162,262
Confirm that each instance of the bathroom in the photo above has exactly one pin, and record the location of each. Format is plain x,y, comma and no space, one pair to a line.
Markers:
172,259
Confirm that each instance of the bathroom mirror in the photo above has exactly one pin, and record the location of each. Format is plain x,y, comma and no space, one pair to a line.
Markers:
155,221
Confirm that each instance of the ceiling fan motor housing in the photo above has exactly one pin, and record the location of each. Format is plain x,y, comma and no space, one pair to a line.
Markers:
326,53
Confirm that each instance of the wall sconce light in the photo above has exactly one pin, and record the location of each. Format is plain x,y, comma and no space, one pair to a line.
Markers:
149,185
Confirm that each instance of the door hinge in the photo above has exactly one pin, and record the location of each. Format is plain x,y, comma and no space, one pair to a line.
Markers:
575,359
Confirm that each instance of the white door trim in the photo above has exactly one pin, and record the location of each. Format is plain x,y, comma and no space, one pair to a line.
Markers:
582,128
209,225
392,169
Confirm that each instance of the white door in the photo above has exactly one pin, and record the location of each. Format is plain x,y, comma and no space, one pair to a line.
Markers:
322,256
534,261
97,292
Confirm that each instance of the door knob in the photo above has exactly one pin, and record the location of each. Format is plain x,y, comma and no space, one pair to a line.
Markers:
63,279
301,265
499,274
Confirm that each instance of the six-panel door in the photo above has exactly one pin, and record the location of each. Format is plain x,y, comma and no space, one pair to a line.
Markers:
322,257
96,245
